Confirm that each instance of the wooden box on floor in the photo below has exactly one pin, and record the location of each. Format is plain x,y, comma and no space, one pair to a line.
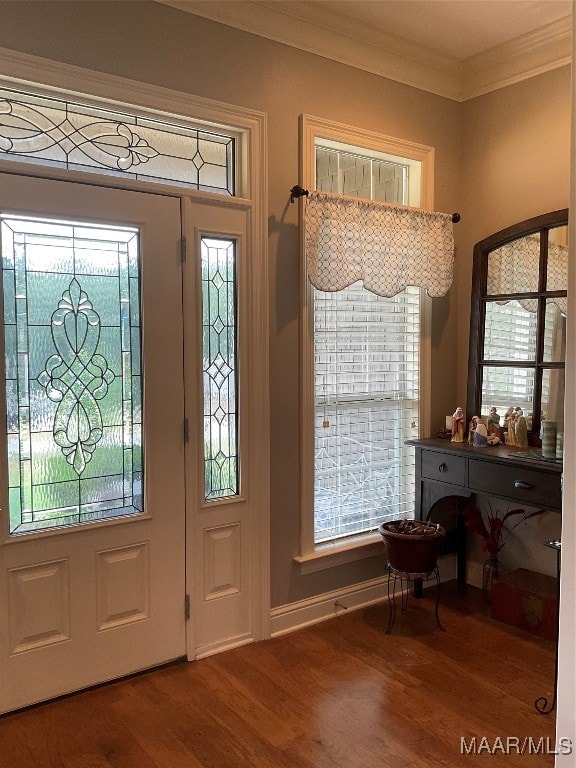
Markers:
528,601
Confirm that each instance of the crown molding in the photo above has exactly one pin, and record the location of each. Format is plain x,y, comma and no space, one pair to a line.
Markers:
389,56
331,37
547,48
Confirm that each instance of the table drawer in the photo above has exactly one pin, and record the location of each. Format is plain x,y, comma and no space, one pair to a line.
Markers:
444,467
537,489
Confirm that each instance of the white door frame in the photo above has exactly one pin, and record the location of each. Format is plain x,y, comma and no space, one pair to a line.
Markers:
18,71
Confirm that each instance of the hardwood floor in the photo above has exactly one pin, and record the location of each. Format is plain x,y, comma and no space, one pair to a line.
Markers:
340,694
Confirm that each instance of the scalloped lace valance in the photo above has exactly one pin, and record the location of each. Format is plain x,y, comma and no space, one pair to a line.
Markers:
514,268
387,247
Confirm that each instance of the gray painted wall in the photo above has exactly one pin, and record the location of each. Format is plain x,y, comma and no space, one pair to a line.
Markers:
474,157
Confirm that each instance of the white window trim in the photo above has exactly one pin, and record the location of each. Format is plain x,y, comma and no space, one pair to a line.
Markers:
314,557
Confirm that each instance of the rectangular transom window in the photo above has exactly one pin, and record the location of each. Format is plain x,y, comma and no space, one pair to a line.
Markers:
219,366
68,134
73,375
366,354
344,169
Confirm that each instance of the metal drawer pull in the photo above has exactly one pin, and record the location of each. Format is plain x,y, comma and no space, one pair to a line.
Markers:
443,468
523,484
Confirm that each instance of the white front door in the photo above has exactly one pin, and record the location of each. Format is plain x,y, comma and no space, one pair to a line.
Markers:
92,545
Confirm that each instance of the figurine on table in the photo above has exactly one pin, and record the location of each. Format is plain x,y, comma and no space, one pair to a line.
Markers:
458,426
510,426
521,429
480,435
494,422
472,428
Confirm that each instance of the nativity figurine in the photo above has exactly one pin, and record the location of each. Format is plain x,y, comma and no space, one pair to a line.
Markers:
458,425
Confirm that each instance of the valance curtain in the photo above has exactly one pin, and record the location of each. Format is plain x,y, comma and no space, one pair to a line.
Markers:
514,268
387,247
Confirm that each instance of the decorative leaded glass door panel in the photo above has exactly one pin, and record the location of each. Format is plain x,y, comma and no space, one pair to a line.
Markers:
73,379
92,492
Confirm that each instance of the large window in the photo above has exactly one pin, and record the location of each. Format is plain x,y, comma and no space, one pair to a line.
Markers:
366,350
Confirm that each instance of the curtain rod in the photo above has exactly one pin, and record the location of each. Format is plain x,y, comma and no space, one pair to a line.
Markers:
298,191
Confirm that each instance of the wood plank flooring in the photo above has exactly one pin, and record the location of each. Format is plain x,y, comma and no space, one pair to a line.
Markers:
340,694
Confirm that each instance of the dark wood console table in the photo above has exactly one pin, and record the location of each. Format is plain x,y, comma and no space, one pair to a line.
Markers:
445,469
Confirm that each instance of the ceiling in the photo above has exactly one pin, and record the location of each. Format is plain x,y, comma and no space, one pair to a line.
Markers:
455,48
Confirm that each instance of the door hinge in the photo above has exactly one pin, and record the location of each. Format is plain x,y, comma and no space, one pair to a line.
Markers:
186,431
182,249
186,607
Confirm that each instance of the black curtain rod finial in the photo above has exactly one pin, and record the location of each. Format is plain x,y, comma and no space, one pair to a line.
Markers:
297,191
455,218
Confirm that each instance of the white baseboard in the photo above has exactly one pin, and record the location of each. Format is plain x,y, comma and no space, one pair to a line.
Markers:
293,616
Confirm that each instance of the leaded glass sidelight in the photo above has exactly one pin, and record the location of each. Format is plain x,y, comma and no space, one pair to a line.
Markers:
72,372
219,366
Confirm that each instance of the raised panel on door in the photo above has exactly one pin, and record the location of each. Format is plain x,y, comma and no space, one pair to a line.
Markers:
92,493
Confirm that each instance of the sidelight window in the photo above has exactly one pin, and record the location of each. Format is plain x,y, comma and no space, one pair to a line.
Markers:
219,366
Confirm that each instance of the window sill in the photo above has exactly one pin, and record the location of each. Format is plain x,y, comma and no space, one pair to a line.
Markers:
346,551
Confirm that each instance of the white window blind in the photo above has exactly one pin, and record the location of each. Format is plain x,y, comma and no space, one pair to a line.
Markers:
503,387
356,175
366,401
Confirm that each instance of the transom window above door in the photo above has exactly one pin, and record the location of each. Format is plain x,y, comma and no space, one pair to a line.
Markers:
82,137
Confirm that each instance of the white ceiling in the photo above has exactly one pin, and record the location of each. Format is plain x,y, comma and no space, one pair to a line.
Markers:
454,48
